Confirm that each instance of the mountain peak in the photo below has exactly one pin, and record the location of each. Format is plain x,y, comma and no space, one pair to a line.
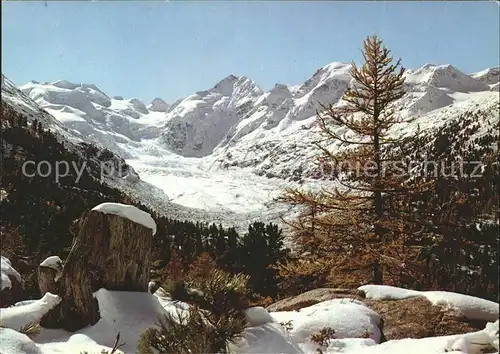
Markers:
489,76
444,76
228,79
158,105
225,86
64,84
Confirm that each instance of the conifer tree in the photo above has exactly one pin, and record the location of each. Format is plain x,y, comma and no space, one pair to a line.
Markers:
260,249
354,220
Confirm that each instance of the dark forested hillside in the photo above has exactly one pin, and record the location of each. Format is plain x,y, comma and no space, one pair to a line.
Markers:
37,212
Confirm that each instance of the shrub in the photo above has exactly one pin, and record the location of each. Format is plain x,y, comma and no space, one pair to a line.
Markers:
323,336
215,317
202,267
31,329
179,334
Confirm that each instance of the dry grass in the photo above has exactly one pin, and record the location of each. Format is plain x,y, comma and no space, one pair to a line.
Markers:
31,329
418,318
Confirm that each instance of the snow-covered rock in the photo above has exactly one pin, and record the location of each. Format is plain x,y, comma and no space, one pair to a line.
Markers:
129,212
470,307
269,338
8,273
138,105
19,316
387,292
53,262
131,176
348,318
11,290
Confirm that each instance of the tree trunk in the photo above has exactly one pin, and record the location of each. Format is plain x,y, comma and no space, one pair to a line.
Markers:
47,280
110,252
378,205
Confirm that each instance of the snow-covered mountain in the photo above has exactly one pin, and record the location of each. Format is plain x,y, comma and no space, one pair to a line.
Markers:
127,179
199,122
275,138
232,147
273,135
110,122
489,76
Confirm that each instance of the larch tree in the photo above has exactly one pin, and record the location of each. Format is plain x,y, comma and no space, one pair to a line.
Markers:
356,221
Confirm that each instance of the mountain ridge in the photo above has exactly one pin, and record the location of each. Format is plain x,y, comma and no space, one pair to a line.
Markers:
233,146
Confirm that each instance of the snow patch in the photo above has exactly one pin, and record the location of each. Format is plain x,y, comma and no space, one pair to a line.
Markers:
470,307
387,292
53,262
13,342
257,316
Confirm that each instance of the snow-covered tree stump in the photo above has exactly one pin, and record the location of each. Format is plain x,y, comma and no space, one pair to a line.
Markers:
111,250
48,273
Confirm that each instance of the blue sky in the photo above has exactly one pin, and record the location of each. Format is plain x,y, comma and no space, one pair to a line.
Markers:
172,49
